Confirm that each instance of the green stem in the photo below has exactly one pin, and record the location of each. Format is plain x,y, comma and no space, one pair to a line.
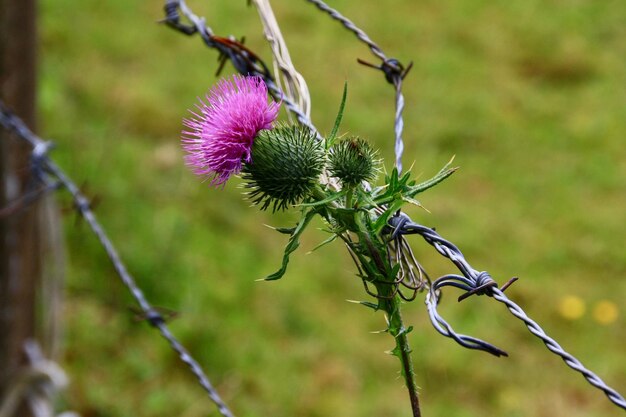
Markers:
349,195
390,303
389,300
403,351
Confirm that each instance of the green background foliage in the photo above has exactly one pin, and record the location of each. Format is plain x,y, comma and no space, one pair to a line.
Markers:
530,97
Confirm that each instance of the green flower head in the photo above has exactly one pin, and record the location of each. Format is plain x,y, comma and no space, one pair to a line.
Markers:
353,161
286,164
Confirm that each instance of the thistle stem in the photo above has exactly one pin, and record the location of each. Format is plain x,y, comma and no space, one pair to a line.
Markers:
349,196
390,303
403,351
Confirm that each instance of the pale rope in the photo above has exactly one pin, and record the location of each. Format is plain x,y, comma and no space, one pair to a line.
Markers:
37,384
288,78
290,81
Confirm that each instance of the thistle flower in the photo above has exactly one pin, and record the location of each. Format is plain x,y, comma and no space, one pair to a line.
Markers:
219,138
285,168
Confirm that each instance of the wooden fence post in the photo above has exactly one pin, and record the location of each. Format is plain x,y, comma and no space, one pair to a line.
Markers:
23,237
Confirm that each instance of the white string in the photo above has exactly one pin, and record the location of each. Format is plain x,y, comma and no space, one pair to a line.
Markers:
288,78
290,81
37,384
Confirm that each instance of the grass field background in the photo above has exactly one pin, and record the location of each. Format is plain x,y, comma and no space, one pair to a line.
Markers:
530,96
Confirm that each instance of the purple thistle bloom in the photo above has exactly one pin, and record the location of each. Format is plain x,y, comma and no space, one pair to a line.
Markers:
219,138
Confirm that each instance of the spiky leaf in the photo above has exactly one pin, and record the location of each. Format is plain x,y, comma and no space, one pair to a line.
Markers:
293,244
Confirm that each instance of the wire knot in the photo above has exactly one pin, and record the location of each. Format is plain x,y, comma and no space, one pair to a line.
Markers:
38,158
484,284
172,18
154,317
392,68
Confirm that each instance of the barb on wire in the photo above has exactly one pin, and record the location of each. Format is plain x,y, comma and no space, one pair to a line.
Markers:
481,283
23,202
48,172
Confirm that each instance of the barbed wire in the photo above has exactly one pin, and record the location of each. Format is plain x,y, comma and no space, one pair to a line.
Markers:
243,59
50,176
472,281
393,70
475,282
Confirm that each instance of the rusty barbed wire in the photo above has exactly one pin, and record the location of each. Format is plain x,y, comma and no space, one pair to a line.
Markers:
52,176
243,59
476,282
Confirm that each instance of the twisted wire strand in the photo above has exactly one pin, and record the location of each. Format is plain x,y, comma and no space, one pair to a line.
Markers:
555,348
481,283
43,164
411,275
392,68
399,123
292,107
348,24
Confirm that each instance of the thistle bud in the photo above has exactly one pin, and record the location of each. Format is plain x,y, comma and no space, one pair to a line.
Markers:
353,161
285,166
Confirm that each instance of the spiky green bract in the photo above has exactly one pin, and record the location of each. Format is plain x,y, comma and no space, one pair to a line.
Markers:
285,168
330,139
353,161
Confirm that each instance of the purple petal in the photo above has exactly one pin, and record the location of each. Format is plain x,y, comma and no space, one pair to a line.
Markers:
219,136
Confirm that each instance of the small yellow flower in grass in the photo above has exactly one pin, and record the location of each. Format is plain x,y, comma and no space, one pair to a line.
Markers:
571,307
605,312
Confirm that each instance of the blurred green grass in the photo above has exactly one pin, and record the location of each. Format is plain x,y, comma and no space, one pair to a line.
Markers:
528,95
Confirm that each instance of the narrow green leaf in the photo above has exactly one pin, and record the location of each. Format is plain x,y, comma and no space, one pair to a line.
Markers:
285,230
404,179
330,198
394,271
395,352
384,218
325,242
378,191
414,202
333,134
364,199
393,179
292,245
367,304
444,173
